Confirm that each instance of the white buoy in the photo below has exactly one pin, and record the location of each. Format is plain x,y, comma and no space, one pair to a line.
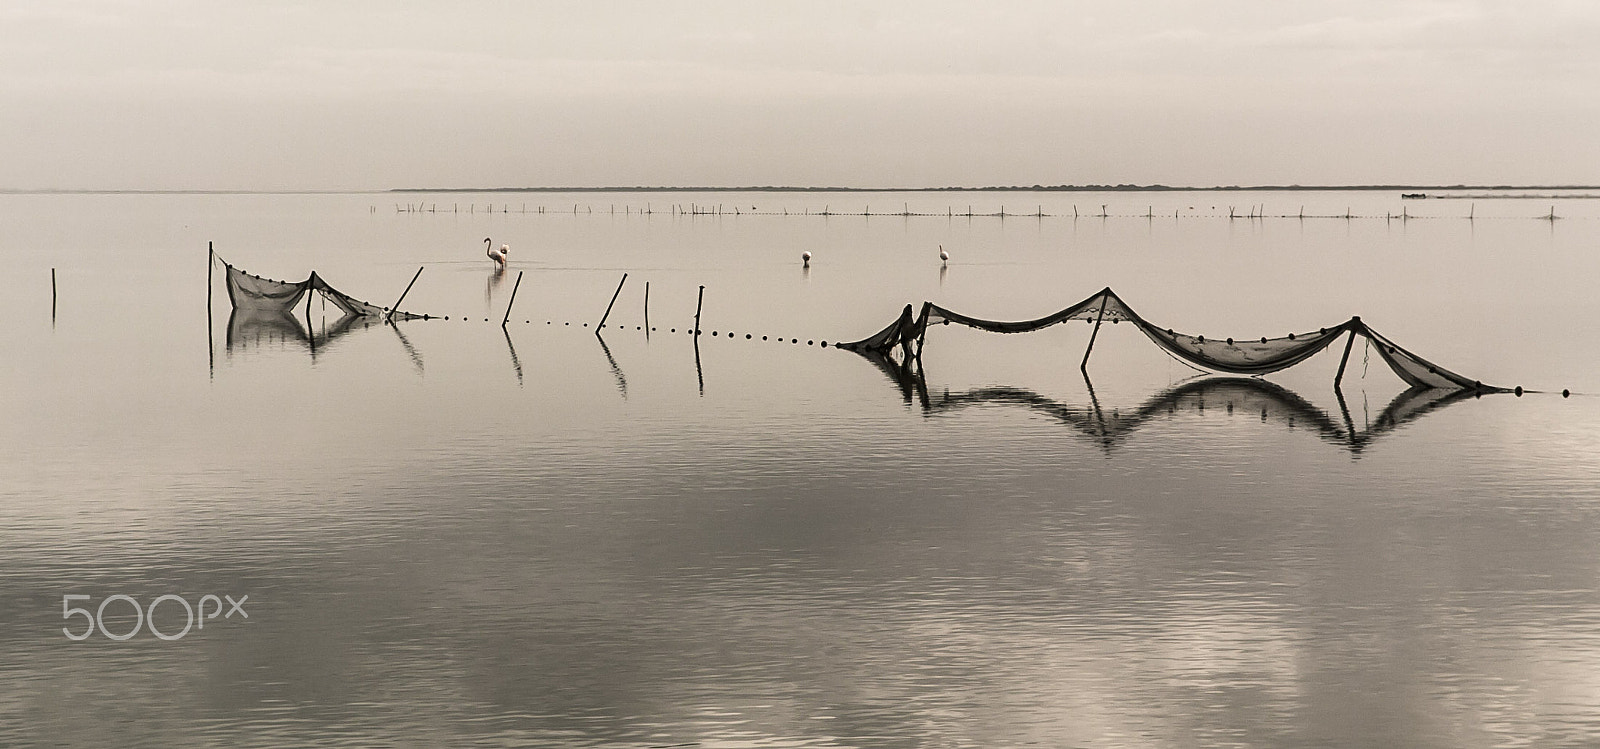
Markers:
805,257
944,255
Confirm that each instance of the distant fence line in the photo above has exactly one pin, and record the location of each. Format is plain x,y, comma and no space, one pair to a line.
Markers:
722,209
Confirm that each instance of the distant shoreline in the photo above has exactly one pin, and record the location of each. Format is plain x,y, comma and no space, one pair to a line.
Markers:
1010,188
793,189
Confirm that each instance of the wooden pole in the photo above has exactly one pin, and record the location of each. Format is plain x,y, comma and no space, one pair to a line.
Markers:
513,300
53,294
697,302
396,307
311,332
613,301
1339,376
1097,320
647,309
211,344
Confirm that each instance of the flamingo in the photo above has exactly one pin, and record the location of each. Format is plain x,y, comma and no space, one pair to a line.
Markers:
498,256
944,255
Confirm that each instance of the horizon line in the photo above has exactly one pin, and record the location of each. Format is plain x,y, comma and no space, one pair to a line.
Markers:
1124,187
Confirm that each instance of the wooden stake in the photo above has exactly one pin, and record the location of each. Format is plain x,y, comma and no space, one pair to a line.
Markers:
647,309
613,301
1339,376
53,293
396,307
1097,320
697,303
311,332
513,300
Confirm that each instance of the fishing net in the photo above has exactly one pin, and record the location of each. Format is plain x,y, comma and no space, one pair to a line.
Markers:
256,294
1249,356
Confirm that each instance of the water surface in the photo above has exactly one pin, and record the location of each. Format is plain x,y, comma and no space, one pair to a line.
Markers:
455,535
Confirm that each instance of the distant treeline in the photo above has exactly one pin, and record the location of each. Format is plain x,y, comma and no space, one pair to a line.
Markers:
1003,188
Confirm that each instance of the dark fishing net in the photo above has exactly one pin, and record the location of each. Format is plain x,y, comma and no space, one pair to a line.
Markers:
1249,356
256,294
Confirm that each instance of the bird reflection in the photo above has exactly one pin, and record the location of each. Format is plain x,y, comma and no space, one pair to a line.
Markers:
1214,394
492,284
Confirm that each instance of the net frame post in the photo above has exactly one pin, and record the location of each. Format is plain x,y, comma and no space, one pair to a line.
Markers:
613,302
699,300
1338,377
507,318
311,332
390,314
902,329
1105,299
922,330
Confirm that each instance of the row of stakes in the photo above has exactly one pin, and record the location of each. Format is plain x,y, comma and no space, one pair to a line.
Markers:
694,209
696,331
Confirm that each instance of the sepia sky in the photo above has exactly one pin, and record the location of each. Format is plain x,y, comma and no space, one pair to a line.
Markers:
201,94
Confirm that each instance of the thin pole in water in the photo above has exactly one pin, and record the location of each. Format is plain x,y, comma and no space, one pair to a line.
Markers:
311,333
402,298
211,344
513,300
53,295
613,301
646,309
697,302
1339,376
1097,320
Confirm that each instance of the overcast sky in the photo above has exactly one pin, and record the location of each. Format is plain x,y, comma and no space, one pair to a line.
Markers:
202,94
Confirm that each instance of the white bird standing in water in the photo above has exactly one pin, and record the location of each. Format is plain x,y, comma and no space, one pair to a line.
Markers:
944,256
805,257
498,256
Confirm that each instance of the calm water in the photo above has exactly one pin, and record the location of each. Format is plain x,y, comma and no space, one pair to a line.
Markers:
451,535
